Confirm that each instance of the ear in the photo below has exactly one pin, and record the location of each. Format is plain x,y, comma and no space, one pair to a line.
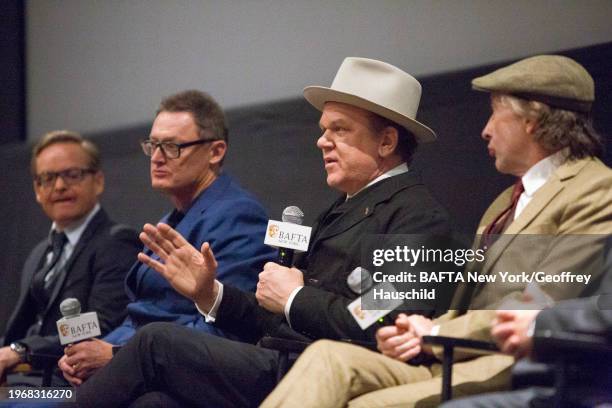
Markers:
36,191
388,141
99,182
217,151
530,125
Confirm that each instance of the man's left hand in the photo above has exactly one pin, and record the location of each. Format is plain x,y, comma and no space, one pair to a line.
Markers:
81,360
275,284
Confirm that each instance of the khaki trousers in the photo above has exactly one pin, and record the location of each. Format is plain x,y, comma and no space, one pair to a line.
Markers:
333,374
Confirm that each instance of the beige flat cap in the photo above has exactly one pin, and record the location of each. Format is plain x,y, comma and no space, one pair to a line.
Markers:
554,80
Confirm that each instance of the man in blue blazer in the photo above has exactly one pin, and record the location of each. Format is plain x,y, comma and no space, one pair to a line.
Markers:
187,145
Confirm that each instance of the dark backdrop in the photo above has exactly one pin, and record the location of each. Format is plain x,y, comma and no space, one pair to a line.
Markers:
272,152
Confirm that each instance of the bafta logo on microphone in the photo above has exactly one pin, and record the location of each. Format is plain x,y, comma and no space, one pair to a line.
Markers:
64,329
273,230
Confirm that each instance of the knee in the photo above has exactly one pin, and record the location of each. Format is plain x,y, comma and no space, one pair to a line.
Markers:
155,329
153,334
320,347
327,349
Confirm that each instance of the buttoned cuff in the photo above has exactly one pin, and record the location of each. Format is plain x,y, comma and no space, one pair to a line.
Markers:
531,328
212,313
289,302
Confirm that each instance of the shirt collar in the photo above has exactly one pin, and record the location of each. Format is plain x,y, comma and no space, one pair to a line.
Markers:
75,230
396,171
540,172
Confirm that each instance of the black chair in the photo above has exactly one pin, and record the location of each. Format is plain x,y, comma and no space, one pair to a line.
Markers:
449,344
579,367
42,366
582,367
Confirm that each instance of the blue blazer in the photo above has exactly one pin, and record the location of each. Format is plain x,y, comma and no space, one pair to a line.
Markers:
234,223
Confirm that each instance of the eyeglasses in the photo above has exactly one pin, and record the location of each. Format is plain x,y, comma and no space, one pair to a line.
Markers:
170,149
70,176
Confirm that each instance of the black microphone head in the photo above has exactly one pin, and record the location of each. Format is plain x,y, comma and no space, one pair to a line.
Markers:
293,215
70,307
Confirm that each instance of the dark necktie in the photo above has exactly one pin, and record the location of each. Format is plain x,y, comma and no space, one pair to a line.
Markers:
58,240
504,219
43,280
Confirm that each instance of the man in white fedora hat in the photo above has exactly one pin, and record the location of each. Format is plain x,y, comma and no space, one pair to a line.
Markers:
369,135
555,219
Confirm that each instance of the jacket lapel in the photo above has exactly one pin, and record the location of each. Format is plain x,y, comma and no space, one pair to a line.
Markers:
364,204
16,319
98,219
540,200
202,202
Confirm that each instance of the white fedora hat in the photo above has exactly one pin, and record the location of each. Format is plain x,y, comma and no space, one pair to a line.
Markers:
377,87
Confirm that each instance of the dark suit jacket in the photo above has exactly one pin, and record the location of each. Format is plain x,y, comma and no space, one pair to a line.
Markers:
397,205
591,315
93,274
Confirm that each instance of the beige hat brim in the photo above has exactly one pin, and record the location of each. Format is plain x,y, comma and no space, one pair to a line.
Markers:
318,95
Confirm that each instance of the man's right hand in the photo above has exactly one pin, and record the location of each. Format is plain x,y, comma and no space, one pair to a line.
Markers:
8,359
190,272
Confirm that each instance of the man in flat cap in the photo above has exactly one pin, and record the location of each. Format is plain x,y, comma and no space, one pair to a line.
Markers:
541,133
369,134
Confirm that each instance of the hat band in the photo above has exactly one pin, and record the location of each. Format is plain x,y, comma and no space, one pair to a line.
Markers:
561,103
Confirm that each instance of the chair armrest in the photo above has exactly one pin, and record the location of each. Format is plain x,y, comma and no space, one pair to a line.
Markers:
549,345
449,344
283,345
39,362
43,360
455,342
561,342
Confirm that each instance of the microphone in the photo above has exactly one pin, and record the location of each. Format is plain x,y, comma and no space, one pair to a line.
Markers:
289,235
76,326
292,215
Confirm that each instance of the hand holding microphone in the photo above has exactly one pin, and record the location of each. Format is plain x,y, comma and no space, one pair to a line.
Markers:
291,215
73,329
76,326
278,280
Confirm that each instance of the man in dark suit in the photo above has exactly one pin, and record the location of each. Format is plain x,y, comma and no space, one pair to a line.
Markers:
517,332
86,255
369,135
